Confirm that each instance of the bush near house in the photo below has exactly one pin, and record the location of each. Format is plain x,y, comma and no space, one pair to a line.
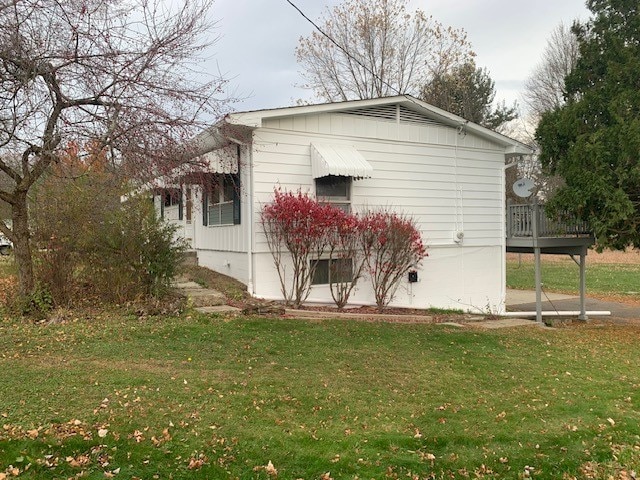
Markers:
346,257
392,245
91,245
385,244
299,224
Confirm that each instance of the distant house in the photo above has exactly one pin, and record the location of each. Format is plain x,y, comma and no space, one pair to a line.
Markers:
397,152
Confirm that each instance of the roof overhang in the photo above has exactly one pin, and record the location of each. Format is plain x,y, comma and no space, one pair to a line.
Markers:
254,119
236,128
341,160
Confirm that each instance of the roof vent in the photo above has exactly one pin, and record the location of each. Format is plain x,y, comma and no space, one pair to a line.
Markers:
395,113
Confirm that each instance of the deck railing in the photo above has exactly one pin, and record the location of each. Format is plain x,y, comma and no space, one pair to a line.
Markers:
520,223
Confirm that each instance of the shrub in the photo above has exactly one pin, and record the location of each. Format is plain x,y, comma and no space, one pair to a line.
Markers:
89,242
132,254
384,244
346,259
391,245
299,224
37,304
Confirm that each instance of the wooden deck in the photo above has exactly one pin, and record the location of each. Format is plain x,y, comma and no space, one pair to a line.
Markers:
559,234
531,229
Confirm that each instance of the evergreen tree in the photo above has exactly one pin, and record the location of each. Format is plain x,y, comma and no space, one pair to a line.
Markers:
593,141
468,91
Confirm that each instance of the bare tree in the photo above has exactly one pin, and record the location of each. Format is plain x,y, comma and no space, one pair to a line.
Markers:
116,74
545,89
376,48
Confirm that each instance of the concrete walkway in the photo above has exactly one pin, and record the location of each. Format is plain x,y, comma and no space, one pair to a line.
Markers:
525,300
205,300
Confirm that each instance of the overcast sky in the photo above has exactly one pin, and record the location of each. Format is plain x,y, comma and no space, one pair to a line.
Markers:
256,49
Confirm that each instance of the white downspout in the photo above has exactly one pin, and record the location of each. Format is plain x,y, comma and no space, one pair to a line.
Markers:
503,241
250,209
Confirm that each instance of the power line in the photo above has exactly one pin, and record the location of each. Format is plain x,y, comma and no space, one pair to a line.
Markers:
348,54
344,50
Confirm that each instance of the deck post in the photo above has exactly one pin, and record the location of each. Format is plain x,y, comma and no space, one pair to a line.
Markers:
536,252
583,285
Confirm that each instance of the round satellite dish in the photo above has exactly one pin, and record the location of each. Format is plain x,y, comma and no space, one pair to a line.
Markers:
524,187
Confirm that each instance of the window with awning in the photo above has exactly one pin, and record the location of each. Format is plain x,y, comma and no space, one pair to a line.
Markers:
221,186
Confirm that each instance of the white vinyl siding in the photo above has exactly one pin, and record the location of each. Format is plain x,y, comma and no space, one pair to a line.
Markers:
447,180
444,187
223,238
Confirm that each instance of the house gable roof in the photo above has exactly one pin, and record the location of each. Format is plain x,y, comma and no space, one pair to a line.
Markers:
235,127
403,107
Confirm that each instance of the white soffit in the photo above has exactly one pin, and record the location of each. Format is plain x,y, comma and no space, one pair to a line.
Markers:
340,160
222,160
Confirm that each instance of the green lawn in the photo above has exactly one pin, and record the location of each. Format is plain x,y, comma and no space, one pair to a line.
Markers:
205,397
618,279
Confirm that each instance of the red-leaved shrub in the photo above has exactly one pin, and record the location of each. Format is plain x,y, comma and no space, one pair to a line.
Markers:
391,245
383,244
346,259
301,225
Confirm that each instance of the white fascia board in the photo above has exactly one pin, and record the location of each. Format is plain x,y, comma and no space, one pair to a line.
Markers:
516,150
254,119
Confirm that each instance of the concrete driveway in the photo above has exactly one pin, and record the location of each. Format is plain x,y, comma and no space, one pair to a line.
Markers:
525,300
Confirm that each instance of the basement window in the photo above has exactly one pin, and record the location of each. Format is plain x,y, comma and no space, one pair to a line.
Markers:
335,270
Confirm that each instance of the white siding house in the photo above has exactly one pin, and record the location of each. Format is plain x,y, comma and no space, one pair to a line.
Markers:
397,153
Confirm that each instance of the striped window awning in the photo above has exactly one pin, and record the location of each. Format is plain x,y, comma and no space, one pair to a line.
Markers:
342,160
222,160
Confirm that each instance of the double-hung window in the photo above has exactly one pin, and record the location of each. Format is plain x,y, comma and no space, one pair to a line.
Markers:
334,190
171,204
221,200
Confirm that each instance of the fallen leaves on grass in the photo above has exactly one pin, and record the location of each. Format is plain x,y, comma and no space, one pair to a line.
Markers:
112,473
78,461
8,290
72,428
269,469
165,437
11,471
197,461
58,431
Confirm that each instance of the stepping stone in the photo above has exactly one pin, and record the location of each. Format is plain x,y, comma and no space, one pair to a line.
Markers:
205,297
187,285
218,309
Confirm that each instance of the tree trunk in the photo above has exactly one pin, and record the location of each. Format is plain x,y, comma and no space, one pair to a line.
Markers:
22,245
